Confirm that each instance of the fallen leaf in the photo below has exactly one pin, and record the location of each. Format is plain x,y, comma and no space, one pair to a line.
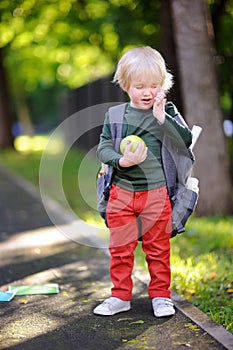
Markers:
183,344
137,322
190,291
19,336
23,301
211,276
193,327
124,319
229,290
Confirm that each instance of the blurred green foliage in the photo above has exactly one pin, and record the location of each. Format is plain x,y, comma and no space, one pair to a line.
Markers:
54,44
71,41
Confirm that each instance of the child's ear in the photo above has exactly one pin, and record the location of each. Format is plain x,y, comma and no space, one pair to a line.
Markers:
125,87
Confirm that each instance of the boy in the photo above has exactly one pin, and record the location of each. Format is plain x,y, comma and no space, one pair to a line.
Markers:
139,205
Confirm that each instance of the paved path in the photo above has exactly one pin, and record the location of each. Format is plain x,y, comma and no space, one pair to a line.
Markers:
33,251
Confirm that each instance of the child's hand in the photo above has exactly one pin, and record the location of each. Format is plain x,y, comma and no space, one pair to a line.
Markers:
132,158
159,106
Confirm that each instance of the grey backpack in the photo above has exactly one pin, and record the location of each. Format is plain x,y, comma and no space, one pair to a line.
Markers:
182,188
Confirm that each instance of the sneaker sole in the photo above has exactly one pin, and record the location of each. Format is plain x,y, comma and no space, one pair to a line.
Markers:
111,313
165,314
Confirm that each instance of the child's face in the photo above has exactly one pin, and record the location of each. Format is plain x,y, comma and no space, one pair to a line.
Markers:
142,93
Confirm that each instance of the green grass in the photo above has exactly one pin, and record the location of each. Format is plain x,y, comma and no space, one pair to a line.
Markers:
78,176
201,263
201,258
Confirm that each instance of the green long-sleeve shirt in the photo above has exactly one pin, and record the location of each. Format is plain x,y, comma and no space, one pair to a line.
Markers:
149,174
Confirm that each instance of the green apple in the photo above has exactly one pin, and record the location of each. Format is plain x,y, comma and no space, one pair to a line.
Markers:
133,139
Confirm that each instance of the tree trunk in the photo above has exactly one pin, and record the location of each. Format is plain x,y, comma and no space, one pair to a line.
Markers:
201,104
168,50
6,138
23,113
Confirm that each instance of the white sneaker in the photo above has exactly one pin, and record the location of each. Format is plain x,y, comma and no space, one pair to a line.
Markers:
163,307
112,306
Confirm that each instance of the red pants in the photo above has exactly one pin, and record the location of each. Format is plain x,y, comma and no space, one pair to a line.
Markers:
130,214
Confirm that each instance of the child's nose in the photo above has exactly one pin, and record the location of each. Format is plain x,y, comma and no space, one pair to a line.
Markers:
147,92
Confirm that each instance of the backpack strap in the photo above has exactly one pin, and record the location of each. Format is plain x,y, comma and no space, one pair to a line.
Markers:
116,116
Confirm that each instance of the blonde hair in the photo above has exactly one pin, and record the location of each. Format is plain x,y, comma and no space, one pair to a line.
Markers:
142,62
